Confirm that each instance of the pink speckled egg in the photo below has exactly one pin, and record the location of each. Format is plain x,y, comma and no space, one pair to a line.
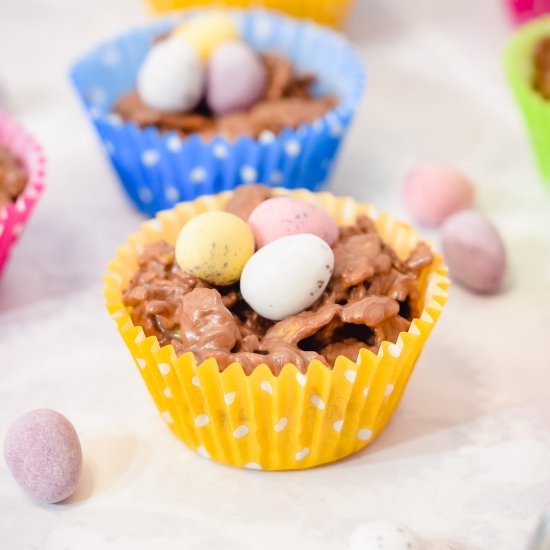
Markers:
236,78
43,453
474,251
283,216
432,193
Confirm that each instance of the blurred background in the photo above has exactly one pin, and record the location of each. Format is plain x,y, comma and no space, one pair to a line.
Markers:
466,458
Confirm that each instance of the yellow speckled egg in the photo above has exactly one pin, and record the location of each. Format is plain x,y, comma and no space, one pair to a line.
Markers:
214,247
207,31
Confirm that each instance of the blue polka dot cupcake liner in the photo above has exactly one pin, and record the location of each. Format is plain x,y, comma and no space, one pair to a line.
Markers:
158,170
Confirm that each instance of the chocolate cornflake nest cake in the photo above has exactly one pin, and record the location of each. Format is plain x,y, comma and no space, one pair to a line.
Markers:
13,177
541,65
371,296
287,103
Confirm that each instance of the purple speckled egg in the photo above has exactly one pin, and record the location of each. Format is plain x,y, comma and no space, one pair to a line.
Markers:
432,193
43,453
236,78
474,251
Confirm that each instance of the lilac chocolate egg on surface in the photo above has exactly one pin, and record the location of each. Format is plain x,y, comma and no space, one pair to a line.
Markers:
474,251
43,453
284,216
432,193
236,78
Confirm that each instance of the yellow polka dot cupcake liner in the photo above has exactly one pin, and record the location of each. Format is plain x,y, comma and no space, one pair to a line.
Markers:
262,421
328,12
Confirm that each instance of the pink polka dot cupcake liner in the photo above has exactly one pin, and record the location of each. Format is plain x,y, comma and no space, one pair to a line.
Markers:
14,217
525,10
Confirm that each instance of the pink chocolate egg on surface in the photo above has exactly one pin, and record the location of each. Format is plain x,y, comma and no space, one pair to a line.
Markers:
43,453
432,193
236,78
284,216
474,252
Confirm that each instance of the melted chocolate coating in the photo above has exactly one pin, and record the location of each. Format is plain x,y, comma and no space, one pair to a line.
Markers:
372,297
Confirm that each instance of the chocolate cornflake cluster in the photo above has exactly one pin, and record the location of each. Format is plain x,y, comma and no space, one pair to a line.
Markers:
13,177
372,296
287,103
541,63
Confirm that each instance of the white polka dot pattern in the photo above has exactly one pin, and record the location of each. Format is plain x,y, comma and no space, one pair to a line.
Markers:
164,368
150,157
293,148
338,425
266,386
249,174
277,177
198,174
364,434
145,194
173,144
229,397
220,151
281,425
203,452
317,402
300,455
241,431
172,193
201,420
350,375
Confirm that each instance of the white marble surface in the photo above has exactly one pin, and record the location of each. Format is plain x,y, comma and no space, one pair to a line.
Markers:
466,457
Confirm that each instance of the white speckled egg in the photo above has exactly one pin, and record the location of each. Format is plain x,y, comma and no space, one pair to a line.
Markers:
43,453
384,535
287,275
172,77
282,216
236,78
474,251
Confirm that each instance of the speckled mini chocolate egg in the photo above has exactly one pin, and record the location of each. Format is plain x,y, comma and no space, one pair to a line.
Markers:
474,251
215,246
433,192
43,453
282,216
286,276
235,78
207,31
384,535
172,77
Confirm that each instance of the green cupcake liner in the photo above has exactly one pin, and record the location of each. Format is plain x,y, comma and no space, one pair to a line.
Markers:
518,60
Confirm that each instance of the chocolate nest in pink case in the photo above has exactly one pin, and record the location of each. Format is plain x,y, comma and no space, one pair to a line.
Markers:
13,177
